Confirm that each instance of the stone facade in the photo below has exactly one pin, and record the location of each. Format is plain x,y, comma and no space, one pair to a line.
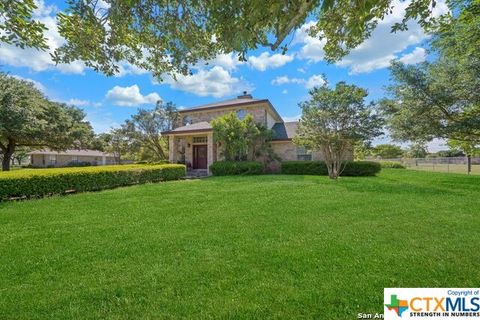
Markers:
198,131
260,114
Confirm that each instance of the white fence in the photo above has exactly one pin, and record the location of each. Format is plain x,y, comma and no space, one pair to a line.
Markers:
443,164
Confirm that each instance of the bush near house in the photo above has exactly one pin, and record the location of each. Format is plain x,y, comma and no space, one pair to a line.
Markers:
230,168
352,168
391,165
31,183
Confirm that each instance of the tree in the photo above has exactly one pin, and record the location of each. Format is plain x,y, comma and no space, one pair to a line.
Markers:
387,151
118,143
417,150
17,27
28,119
440,99
470,148
233,135
146,128
243,139
333,120
362,149
169,36
20,155
453,152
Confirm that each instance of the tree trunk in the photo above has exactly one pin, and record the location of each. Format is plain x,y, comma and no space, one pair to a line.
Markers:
469,163
7,155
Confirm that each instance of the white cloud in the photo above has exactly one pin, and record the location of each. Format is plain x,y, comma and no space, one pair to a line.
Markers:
216,82
37,84
313,81
312,48
416,56
82,103
40,60
130,96
227,61
284,91
301,70
127,69
291,119
377,51
266,61
281,80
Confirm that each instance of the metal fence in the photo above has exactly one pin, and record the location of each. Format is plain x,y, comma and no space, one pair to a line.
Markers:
443,164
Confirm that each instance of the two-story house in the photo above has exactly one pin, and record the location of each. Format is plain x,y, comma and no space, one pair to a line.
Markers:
192,141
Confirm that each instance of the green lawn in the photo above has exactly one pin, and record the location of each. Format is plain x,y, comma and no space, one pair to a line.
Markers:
239,247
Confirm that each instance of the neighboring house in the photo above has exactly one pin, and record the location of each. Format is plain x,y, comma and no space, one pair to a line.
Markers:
49,158
191,142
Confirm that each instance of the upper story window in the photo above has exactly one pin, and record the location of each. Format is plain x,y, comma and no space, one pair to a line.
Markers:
304,154
241,114
187,120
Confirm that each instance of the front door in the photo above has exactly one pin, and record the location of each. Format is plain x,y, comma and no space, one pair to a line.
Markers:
200,156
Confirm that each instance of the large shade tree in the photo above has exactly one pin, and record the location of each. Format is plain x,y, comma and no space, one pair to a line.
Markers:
169,36
440,99
333,120
28,119
146,127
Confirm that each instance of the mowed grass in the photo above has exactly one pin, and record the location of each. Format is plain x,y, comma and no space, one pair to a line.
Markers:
239,247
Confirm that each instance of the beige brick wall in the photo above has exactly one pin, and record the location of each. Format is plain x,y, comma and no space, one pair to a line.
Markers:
259,112
287,150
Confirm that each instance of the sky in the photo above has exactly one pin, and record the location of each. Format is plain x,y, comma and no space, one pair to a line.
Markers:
283,79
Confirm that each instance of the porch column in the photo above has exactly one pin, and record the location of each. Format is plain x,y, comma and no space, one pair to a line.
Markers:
209,151
172,149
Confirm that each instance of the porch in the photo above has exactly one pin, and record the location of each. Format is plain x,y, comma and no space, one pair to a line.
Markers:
194,149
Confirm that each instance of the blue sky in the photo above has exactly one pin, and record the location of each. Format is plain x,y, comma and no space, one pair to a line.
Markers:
283,79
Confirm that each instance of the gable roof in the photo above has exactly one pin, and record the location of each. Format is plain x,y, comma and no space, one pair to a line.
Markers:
284,130
73,152
243,100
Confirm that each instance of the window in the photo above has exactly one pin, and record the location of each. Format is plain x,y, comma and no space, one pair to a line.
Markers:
303,154
187,120
75,159
199,139
241,114
52,159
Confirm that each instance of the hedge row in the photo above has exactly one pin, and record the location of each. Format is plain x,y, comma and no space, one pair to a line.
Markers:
230,168
391,165
31,183
352,168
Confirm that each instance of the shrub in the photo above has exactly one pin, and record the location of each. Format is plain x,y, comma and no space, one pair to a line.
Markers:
391,165
79,164
352,168
30,183
152,162
361,168
304,167
230,168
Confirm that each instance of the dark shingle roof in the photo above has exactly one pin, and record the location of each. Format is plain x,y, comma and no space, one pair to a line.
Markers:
284,130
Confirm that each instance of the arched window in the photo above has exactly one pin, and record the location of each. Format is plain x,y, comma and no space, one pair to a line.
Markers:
187,120
241,114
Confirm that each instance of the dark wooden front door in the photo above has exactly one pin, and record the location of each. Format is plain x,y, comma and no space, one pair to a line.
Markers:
200,156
